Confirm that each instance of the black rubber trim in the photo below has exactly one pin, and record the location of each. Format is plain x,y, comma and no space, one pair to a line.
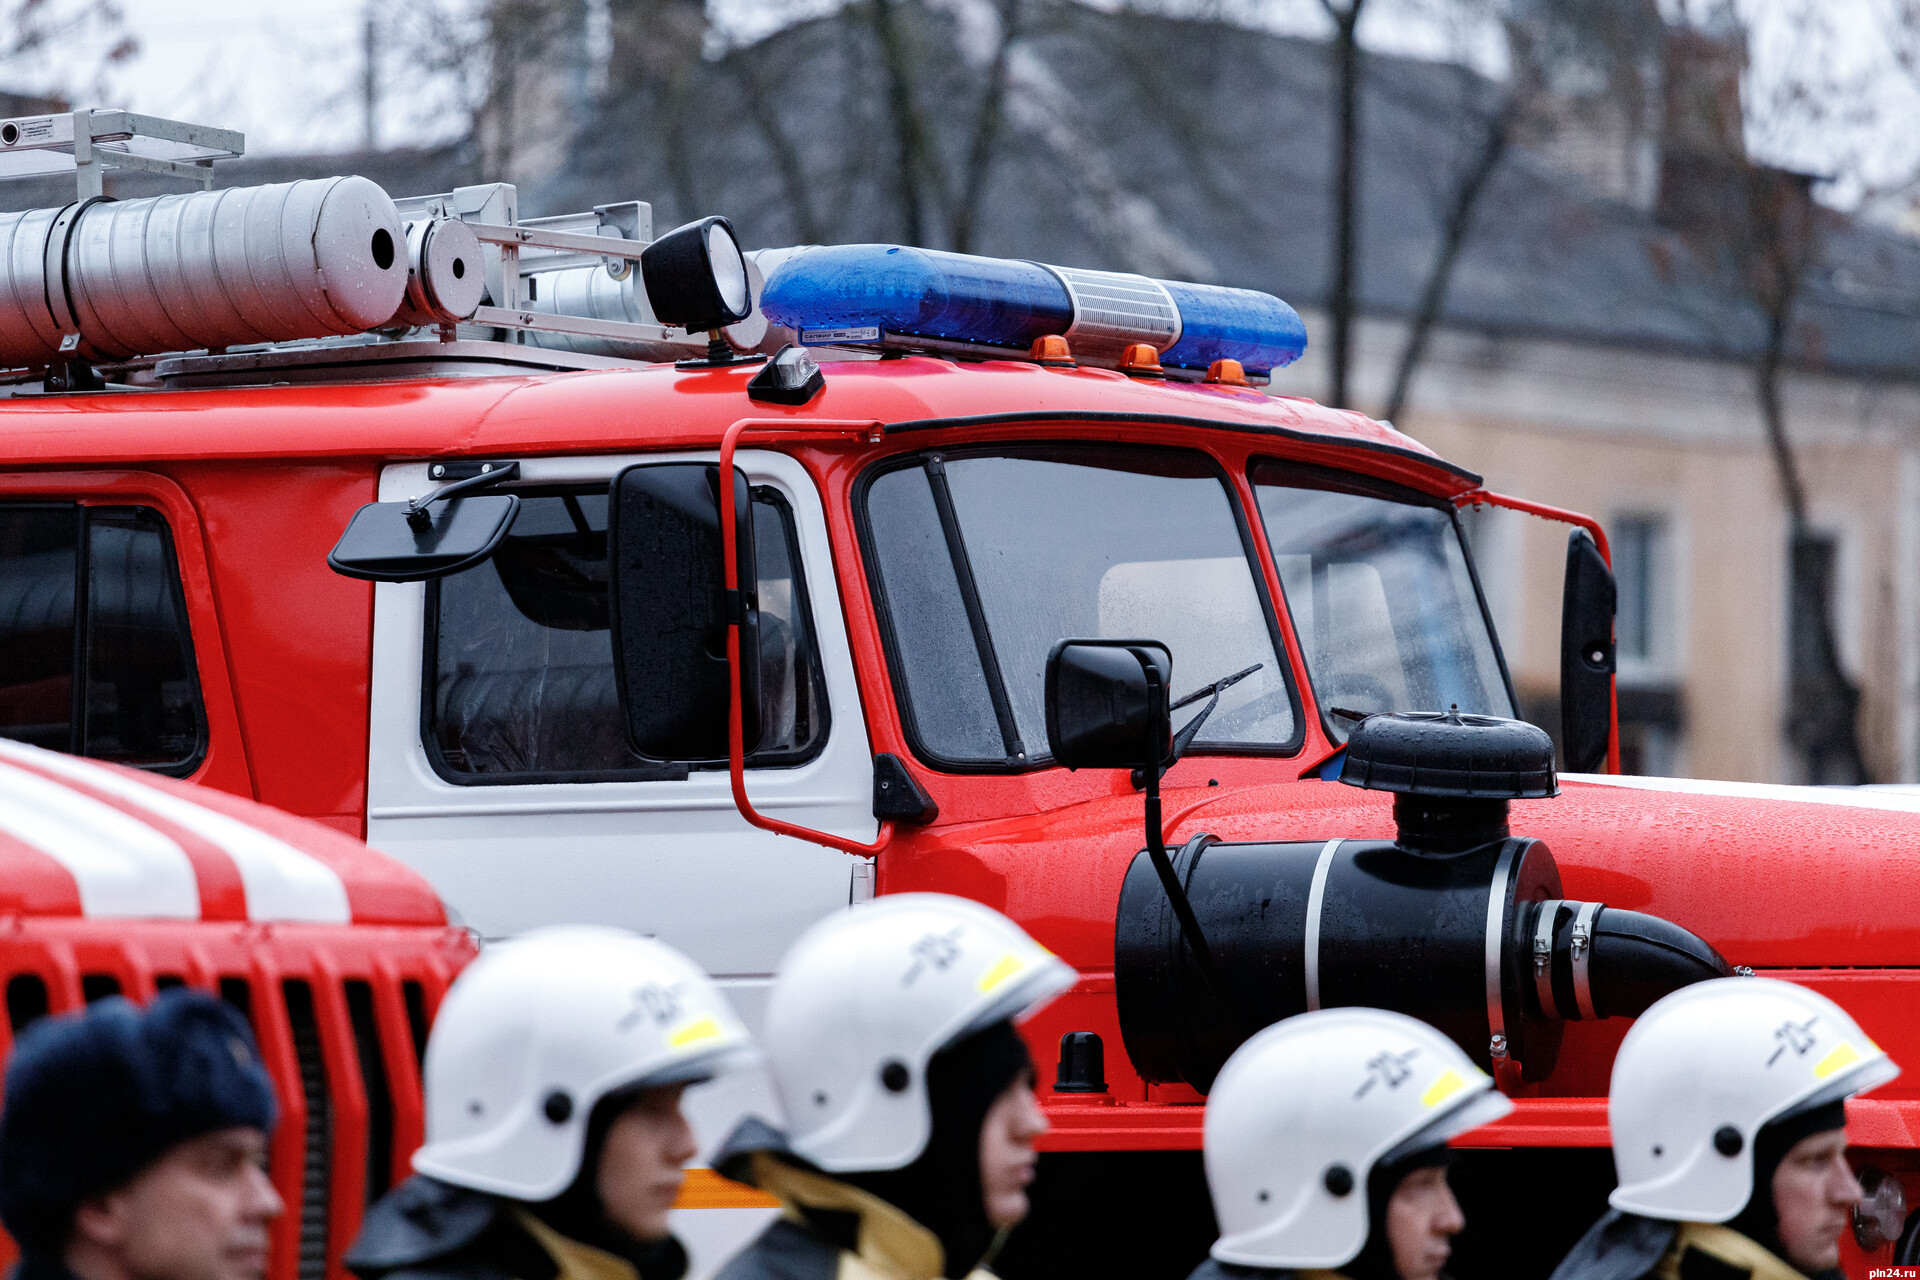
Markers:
1178,420
936,468
66,252
1486,611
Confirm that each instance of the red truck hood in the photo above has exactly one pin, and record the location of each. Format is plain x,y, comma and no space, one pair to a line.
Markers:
1774,876
82,838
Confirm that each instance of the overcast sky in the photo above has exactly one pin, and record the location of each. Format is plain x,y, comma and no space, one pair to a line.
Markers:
288,72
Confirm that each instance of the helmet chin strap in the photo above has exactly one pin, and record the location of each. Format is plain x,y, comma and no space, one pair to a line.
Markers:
1759,1221
1375,1259
580,1214
941,1189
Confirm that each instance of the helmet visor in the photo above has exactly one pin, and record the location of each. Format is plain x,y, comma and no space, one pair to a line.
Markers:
1848,1083
1019,997
1478,1109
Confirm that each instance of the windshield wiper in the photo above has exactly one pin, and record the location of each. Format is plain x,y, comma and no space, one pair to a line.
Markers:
1184,739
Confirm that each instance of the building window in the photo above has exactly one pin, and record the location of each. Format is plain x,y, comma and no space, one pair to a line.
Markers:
1640,573
95,655
1823,702
1651,701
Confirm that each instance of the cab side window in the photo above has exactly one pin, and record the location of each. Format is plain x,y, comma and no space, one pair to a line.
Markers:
519,655
95,653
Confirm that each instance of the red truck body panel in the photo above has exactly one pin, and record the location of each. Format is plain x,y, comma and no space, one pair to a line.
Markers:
259,483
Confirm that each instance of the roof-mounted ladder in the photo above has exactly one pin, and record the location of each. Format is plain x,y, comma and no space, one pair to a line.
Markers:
88,143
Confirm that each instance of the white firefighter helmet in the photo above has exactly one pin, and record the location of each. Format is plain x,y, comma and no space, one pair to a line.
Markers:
1302,1113
534,1033
1704,1069
867,996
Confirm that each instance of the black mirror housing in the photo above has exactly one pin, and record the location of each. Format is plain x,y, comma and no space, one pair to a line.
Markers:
1586,656
394,542
670,609
1107,703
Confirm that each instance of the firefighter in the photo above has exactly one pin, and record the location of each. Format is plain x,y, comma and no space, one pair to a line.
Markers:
1326,1147
1729,1136
555,1142
908,1092
133,1142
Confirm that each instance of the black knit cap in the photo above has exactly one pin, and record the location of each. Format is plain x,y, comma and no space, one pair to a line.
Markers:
95,1097
941,1189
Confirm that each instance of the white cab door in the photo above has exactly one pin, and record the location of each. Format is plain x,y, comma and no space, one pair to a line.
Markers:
510,844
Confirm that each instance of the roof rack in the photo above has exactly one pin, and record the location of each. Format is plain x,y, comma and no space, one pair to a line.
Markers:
560,292
87,143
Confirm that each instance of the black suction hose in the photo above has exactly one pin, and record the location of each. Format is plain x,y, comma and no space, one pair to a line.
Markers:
1610,963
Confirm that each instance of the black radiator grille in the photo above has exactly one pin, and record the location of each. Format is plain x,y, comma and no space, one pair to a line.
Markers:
316,1185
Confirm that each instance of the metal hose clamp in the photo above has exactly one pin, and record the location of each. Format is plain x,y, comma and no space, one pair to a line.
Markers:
1497,1046
1582,951
1543,954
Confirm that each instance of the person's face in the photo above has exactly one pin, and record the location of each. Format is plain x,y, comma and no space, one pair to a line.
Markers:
200,1212
643,1162
1422,1219
1007,1158
1814,1192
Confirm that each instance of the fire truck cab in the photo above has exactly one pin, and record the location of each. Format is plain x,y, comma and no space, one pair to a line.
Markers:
708,647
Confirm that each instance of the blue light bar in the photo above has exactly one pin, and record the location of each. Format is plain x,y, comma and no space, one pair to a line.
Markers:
892,294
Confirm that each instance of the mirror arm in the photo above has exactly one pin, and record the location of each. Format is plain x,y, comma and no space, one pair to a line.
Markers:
729,552
1157,843
1487,497
417,515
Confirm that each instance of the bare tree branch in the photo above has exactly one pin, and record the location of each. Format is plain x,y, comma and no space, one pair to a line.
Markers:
986,130
1346,196
1453,236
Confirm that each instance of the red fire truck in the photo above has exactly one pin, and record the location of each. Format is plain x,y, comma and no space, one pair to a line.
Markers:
503,543
116,882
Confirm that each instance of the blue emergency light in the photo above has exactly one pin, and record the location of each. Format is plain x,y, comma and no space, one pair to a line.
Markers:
894,295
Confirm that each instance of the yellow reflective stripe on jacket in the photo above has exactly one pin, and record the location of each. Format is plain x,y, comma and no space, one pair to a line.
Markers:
1730,1247
890,1245
576,1261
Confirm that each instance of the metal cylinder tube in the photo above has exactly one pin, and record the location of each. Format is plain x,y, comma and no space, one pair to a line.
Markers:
29,332
446,275
593,293
205,269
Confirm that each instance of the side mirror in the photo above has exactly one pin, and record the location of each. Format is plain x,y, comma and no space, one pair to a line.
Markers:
1586,656
1107,703
670,609
401,542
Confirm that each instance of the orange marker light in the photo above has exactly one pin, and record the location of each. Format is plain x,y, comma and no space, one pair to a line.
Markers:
1140,360
1227,373
1052,351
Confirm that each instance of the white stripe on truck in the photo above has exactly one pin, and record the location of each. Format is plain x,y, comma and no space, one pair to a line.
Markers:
281,882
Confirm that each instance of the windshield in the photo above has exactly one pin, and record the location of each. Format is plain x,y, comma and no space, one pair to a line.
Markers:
984,560
1381,596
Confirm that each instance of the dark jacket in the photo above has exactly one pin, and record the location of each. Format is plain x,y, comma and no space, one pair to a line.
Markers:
1214,1269
830,1230
1625,1246
37,1266
827,1229
425,1229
